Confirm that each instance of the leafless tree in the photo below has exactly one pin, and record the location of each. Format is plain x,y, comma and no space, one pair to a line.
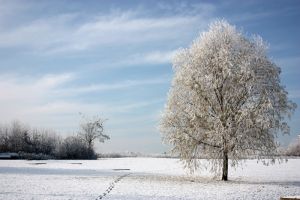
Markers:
92,129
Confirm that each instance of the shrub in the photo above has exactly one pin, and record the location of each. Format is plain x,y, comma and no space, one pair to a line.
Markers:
294,148
75,148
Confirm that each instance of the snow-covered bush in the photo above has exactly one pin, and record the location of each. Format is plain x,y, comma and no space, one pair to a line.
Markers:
18,137
294,148
32,143
74,147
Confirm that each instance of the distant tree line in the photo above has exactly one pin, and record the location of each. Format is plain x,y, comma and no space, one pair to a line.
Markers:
34,143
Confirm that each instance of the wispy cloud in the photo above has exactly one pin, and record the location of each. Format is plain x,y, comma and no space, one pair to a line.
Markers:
35,100
64,115
17,88
20,95
112,86
159,57
143,59
64,107
60,33
188,8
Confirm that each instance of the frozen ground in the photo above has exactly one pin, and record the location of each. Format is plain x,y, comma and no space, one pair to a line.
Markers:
150,178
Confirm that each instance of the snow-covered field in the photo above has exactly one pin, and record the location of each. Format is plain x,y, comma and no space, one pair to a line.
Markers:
147,178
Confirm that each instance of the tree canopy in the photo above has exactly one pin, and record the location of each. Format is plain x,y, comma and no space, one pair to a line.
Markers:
226,100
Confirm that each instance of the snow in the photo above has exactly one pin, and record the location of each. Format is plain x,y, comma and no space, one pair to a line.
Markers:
149,178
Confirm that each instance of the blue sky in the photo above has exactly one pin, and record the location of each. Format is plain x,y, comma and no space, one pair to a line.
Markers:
113,59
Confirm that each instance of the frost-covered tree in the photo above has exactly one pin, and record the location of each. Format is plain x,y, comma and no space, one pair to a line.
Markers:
226,100
294,148
92,129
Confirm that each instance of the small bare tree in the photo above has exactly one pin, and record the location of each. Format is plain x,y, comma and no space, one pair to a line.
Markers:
226,100
92,129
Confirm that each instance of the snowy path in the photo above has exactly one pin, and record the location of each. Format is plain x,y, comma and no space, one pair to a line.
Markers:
111,186
150,178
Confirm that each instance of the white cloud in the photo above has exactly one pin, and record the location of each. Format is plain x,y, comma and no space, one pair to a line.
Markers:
59,34
19,95
100,87
51,81
142,59
124,29
187,8
159,57
18,88
46,102
64,107
39,35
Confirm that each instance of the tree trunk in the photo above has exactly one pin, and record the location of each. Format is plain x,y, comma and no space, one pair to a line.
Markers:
225,167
